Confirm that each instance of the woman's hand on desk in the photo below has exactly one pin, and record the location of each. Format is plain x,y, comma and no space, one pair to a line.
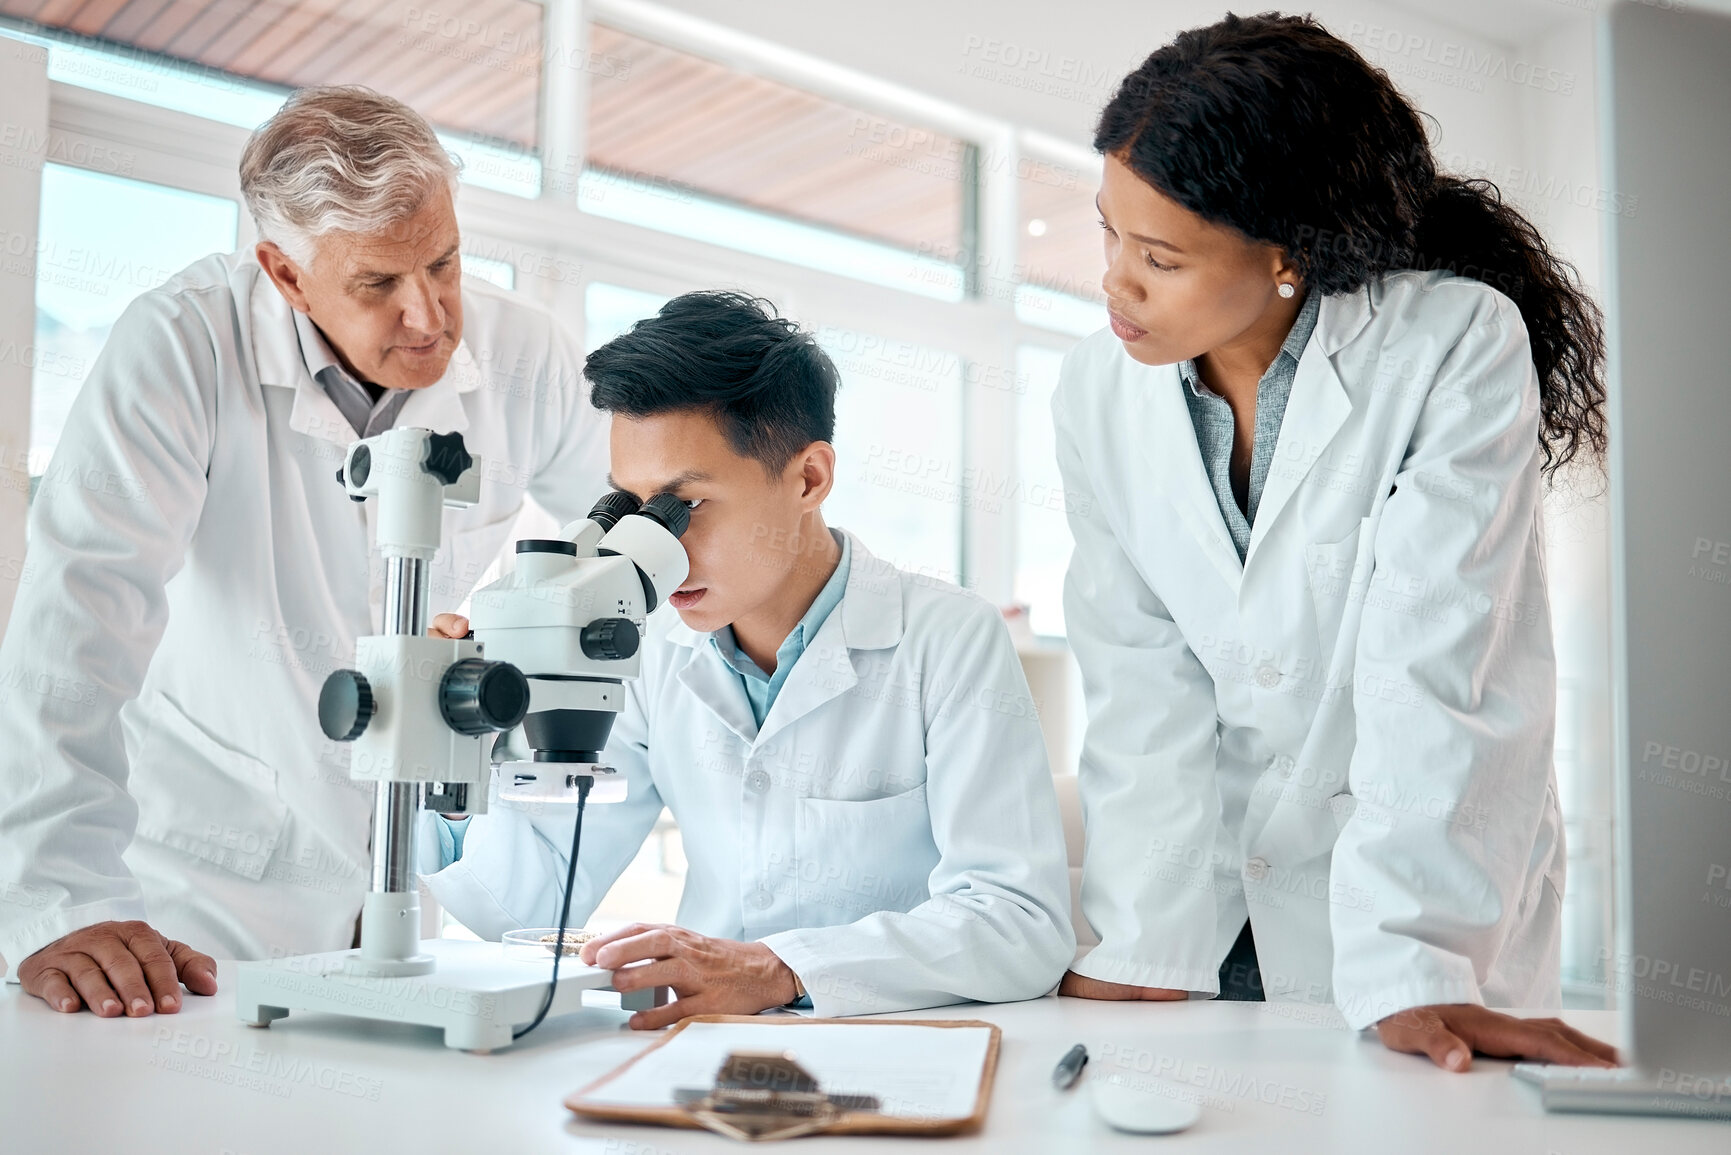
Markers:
1450,1033
1082,987
711,976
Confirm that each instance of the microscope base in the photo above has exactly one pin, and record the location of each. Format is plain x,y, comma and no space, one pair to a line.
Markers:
474,994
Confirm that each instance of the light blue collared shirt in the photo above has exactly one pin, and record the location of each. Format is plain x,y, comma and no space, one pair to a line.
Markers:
761,688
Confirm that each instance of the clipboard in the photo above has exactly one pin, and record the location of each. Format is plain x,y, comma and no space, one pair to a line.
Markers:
779,1033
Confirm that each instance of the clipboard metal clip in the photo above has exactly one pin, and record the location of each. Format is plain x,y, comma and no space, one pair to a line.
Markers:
765,1095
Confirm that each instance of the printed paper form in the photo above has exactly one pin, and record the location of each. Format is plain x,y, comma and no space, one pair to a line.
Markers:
917,1072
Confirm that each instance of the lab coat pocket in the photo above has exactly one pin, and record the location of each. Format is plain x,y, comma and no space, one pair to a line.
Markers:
856,858
204,798
1338,573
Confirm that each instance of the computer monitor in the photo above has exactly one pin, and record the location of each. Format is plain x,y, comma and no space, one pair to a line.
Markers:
1666,121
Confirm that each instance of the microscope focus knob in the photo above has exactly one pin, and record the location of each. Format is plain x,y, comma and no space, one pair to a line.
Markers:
447,459
346,705
609,639
479,697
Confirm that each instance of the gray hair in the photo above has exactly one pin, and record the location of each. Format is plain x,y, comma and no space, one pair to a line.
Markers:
340,158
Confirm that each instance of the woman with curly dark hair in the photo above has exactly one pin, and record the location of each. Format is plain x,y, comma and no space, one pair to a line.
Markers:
1305,468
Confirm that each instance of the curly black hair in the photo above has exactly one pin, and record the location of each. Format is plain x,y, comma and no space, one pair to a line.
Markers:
765,380
1275,127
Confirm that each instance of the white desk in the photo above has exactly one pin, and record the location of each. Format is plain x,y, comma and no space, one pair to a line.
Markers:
200,1083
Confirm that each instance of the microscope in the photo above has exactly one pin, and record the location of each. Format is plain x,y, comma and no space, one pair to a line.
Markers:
530,695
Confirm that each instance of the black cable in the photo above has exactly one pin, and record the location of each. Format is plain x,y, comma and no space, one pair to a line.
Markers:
584,782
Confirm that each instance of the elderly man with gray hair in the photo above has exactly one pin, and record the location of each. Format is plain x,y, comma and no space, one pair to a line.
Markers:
195,570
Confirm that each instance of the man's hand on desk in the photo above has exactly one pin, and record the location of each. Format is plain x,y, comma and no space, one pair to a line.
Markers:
116,968
1451,1032
711,976
1081,987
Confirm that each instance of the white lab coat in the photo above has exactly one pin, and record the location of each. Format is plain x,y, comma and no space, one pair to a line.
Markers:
892,832
194,572
1349,735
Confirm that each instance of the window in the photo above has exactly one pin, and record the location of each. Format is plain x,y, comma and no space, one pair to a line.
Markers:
104,240
900,463
491,269
1062,257
609,310
1058,312
693,147
683,212
1060,236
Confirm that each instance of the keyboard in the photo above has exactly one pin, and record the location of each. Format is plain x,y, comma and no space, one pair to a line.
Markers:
1627,1091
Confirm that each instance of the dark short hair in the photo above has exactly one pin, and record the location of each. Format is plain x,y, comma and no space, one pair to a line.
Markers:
767,382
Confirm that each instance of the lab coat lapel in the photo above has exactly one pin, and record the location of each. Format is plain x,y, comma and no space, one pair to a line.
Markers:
869,617
1158,407
1315,411
276,350
713,684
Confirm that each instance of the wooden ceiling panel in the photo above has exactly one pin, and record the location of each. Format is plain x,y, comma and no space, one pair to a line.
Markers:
195,37
56,11
93,16
677,117
170,22
288,22
477,70
129,18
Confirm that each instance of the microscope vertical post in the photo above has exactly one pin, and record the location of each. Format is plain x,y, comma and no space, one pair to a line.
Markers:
396,803
411,471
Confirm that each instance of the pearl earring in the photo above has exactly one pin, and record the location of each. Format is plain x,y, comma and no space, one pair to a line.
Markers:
1286,289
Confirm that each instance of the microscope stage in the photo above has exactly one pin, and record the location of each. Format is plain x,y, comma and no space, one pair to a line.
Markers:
474,993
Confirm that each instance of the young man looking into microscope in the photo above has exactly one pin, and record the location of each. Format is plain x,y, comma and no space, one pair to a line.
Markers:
850,751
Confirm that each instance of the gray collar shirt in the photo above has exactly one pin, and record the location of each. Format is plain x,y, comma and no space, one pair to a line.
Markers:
352,399
1212,418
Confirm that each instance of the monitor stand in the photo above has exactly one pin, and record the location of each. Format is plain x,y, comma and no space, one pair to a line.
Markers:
1628,1091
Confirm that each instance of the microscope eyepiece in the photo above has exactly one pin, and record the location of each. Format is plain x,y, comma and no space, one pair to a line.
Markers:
547,545
669,512
612,507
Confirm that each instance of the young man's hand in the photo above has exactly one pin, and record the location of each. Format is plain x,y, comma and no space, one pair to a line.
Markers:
454,626
1449,1033
1082,987
115,969
711,976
